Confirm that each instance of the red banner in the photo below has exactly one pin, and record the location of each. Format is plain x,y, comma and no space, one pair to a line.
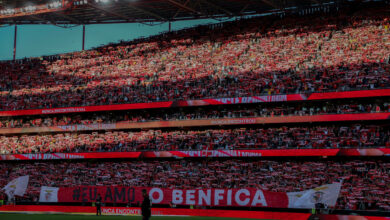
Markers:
66,156
202,102
155,212
203,153
243,100
364,152
86,109
350,217
242,153
350,94
197,197
201,123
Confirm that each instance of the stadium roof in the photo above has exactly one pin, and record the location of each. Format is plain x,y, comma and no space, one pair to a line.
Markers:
120,11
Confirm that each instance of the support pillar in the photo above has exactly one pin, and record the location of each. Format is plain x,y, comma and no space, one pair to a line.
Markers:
83,45
15,37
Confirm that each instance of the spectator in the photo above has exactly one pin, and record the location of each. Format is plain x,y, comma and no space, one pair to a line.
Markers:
263,56
323,137
362,181
233,111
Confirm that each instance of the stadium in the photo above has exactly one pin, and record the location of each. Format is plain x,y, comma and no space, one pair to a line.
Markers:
275,110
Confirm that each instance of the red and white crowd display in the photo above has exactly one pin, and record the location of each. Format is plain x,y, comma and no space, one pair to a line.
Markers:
246,197
203,153
359,176
270,138
249,63
204,102
199,123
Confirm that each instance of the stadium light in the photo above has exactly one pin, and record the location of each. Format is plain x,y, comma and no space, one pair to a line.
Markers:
104,1
29,8
35,9
56,4
7,11
80,2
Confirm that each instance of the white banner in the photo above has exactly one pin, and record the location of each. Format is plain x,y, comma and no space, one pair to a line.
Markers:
48,194
325,194
17,187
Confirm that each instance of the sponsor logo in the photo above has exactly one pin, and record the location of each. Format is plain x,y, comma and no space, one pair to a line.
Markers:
87,127
63,110
234,121
121,211
221,153
52,156
253,99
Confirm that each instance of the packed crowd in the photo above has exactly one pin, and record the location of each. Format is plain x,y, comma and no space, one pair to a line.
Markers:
336,136
236,111
264,56
363,182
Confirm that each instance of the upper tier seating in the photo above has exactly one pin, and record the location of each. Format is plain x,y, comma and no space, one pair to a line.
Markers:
264,56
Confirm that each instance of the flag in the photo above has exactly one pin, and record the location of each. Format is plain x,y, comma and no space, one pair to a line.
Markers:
17,187
48,194
325,194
